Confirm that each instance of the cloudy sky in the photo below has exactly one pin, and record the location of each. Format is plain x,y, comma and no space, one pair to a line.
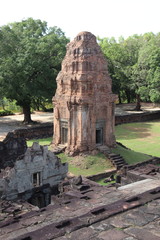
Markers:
104,18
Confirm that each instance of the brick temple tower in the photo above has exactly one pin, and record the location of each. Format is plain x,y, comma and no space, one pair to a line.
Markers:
84,102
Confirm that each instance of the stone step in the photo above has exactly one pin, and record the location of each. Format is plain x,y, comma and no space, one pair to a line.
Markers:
114,155
118,162
117,158
59,149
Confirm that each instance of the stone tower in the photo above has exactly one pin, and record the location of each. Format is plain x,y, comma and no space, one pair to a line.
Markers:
84,102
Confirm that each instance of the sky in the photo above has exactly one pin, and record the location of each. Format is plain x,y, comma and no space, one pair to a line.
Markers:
104,18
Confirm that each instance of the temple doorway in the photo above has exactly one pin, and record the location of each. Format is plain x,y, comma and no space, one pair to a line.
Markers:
64,135
64,131
99,136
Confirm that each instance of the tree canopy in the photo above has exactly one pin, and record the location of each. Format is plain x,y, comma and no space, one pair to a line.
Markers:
134,66
31,54
30,59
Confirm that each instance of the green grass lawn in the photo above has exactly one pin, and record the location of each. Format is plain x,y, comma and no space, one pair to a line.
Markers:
86,165
42,141
141,137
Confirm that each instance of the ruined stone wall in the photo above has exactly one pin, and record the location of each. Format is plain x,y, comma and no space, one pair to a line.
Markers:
15,145
42,131
141,117
11,148
100,176
37,167
154,160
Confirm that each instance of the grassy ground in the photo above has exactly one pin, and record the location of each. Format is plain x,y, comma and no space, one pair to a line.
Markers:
101,182
87,164
141,137
131,157
42,141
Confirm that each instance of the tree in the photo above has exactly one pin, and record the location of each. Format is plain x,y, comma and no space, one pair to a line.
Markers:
121,57
146,72
30,59
149,60
134,66
113,53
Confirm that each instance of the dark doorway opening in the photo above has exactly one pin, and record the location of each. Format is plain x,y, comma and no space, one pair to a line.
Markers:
99,136
64,135
40,199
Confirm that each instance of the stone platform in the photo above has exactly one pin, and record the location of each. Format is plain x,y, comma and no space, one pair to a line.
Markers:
90,212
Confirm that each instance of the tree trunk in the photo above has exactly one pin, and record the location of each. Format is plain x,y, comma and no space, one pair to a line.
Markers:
27,114
128,95
119,98
138,103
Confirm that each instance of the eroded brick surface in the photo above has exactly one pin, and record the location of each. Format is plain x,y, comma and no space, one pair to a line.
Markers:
84,102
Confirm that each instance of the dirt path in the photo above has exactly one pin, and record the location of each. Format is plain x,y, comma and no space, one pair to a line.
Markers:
10,123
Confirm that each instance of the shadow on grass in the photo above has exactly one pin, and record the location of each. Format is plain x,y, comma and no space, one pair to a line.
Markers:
133,130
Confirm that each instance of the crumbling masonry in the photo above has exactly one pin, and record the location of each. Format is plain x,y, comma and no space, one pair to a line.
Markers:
84,103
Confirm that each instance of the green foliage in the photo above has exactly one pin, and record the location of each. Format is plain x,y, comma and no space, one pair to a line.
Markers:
5,113
5,104
154,95
31,55
134,66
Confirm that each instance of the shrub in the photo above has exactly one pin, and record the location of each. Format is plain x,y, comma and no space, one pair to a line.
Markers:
6,113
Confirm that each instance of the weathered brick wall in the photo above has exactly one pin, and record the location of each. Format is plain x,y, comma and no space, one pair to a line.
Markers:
154,160
139,117
35,132
100,176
